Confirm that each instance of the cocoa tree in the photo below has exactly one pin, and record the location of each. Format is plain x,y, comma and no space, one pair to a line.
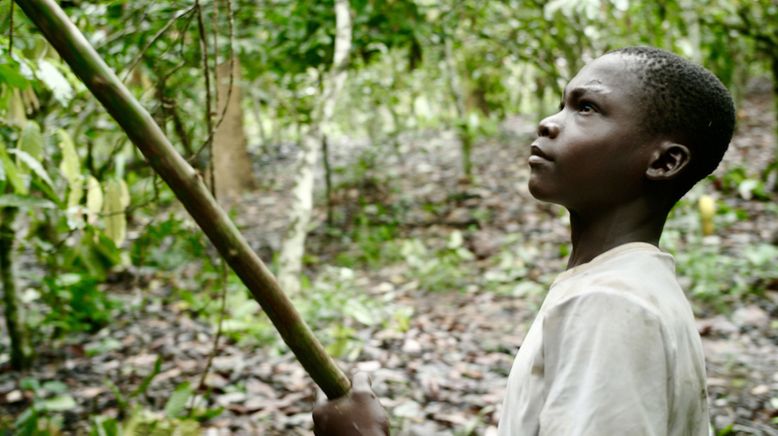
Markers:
188,186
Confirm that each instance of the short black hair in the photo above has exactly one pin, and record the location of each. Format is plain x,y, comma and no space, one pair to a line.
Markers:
686,102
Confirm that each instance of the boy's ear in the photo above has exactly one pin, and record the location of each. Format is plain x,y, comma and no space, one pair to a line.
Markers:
668,160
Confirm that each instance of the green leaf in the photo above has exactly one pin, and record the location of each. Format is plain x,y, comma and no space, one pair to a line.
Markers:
107,250
12,172
60,403
104,426
116,196
11,76
75,193
360,312
102,347
97,252
71,164
47,190
16,115
94,198
55,387
141,389
71,168
31,140
124,194
178,399
30,384
22,202
121,400
3,177
33,164
55,81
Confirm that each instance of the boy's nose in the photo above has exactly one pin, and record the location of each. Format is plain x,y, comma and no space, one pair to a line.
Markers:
548,127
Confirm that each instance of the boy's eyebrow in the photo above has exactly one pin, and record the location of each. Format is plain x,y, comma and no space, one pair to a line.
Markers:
579,91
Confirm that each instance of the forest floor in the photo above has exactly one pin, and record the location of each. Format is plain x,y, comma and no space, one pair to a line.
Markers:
434,307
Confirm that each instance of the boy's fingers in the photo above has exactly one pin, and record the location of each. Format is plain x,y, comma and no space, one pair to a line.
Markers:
361,382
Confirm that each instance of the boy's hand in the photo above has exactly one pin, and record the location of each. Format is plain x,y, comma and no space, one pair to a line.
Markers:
359,413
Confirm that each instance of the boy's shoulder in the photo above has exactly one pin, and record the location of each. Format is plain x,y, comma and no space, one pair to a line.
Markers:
638,273
631,264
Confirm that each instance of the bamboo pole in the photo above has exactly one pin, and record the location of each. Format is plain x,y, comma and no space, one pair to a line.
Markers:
189,188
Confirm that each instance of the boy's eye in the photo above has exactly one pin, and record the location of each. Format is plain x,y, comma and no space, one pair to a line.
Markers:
585,107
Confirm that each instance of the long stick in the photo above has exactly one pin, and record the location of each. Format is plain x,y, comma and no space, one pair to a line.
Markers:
188,186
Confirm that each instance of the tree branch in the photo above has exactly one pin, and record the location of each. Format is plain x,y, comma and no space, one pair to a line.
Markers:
154,39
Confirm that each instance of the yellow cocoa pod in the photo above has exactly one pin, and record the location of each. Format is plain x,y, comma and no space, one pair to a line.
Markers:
707,207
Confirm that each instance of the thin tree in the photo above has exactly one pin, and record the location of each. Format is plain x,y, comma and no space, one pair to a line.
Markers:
21,353
293,248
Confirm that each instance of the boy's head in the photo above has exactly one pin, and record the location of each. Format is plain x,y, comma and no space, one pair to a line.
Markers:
687,103
637,121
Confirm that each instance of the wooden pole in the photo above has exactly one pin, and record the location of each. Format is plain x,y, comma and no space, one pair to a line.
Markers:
188,187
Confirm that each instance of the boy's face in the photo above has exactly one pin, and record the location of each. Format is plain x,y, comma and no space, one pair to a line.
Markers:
593,153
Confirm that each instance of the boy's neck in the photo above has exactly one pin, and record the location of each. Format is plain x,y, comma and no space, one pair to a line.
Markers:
594,234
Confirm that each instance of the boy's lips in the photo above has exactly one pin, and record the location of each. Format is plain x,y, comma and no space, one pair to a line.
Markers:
537,155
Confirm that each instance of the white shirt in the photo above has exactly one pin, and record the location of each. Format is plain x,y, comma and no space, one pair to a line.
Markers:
613,351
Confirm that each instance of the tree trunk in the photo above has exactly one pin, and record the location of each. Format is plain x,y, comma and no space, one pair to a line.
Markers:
231,161
188,186
325,154
463,130
774,66
256,112
21,352
293,248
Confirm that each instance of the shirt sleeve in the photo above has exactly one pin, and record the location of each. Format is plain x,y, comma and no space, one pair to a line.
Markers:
605,368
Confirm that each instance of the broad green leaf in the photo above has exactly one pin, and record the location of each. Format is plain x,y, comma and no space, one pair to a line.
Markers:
360,312
11,76
30,99
107,249
94,199
16,114
178,399
12,172
71,168
55,387
59,403
47,190
88,256
124,194
70,165
30,384
25,202
55,81
113,210
31,140
32,164
76,192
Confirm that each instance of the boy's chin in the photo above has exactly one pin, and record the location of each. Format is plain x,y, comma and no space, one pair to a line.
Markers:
539,191
542,193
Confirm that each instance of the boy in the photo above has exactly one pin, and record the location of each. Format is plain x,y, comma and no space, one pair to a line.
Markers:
614,349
